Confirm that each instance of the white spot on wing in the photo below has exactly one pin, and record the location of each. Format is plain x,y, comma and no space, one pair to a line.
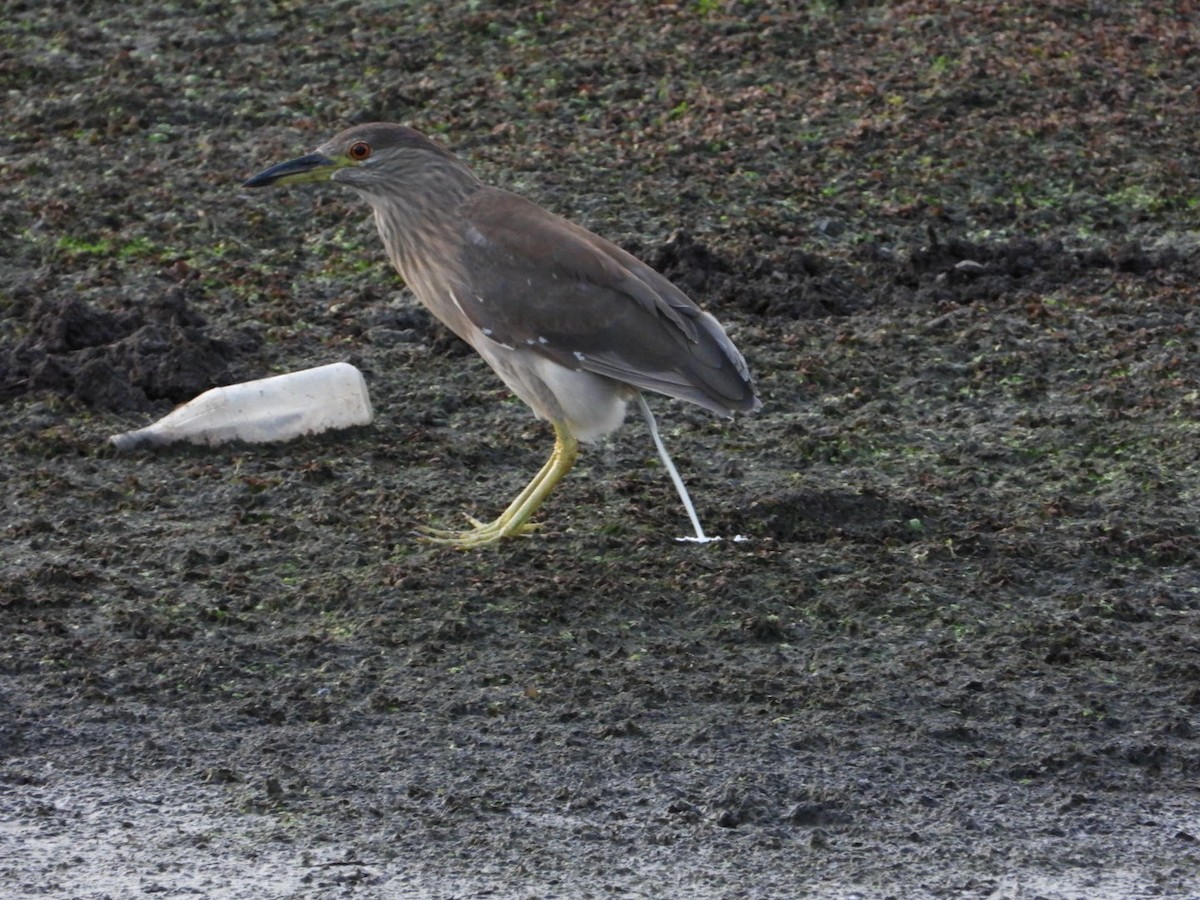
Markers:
579,356
457,305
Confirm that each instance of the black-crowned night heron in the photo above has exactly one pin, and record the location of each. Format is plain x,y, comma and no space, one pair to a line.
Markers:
574,325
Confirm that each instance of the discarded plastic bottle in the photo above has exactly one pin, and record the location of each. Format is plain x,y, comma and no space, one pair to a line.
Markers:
278,408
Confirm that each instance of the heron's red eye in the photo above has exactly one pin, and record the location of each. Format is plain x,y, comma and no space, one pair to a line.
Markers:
359,150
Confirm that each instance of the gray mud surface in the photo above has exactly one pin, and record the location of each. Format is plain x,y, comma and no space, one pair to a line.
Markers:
958,653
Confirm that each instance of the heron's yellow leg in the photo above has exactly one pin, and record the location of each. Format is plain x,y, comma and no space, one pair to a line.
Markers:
515,519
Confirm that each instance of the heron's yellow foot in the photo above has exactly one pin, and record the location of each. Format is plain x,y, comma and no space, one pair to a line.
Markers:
514,521
480,534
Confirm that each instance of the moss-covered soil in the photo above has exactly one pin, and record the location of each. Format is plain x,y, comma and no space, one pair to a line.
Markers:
958,653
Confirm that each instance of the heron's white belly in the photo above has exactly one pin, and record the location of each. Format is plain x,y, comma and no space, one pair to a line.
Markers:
590,405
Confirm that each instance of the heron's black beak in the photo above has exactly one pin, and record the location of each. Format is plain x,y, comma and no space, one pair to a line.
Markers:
305,169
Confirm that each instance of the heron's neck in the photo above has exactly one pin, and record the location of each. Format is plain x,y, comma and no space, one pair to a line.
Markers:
421,223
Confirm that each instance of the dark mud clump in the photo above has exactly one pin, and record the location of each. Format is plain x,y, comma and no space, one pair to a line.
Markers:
124,359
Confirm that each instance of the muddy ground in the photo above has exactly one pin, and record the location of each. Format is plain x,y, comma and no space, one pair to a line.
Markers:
957,654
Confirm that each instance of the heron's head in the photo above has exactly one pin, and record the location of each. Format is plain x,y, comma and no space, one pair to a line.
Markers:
375,159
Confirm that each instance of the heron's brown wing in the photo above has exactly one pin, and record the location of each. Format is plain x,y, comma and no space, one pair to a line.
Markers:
546,285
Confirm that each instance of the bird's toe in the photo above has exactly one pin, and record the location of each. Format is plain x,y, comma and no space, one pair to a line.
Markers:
481,533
